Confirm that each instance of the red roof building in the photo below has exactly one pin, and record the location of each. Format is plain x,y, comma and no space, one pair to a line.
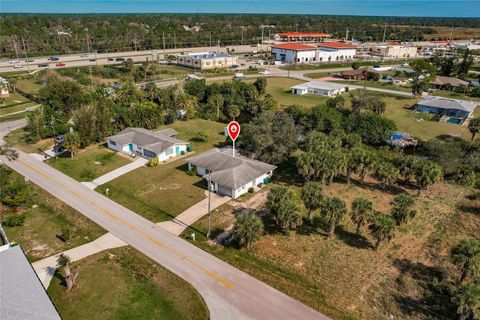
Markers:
293,46
337,45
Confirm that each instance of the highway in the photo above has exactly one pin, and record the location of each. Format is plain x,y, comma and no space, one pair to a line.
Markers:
228,292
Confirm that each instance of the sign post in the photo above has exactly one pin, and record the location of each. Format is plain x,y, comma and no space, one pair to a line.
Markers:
233,131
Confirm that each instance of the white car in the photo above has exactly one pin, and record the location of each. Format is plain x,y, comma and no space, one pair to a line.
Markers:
18,66
265,72
13,61
239,75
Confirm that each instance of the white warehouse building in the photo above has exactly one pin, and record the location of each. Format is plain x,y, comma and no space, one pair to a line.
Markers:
320,88
323,52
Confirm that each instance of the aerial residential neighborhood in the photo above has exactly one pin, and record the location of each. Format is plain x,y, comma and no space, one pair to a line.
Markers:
211,160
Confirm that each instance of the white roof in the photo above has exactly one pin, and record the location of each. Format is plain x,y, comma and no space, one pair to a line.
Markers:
2,80
444,103
324,85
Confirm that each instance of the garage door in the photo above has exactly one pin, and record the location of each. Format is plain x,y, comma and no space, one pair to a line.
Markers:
224,191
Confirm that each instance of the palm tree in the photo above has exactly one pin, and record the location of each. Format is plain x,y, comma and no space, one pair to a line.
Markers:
248,229
364,161
188,103
70,277
466,257
362,212
474,126
333,211
387,173
402,210
467,299
383,229
427,174
408,166
72,142
312,196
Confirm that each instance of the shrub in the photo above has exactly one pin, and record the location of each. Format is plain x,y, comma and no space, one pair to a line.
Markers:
182,153
65,236
15,220
251,189
192,171
199,136
189,148
153,162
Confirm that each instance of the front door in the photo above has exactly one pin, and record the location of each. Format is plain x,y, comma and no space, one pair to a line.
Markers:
177,150
130,147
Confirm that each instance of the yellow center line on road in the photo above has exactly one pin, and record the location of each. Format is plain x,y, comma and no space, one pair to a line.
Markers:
112,216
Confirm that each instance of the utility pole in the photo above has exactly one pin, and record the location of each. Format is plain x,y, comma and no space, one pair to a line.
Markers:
209,212
175,40
163,41
26,55
263,27
242,34
346,35
89,64
15,48
54,137
384,33
210,39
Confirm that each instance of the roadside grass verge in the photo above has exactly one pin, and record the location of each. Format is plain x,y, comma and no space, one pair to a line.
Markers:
44,221
124,284
88,164
19,138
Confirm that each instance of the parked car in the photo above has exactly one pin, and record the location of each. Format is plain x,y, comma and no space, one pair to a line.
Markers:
54,58
239,75
29,60
92,60
43,65
59,138
119,59
13,61
265,72
18,66
84,55
60,64
111,59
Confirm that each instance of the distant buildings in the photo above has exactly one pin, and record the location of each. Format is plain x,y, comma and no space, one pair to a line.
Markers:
320,88
207,60
449,110
301,36
303,53
4,92
394,50
360,74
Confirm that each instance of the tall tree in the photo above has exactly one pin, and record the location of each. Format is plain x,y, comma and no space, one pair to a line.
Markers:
402,210
312,197
72,142
248,229
333,210
187,103
466,257
474,126
362,212
281,202
465,64
383,229
423,73
428,173
70,277
386,173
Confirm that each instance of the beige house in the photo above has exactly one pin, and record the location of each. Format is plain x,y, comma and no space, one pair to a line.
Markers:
207,60
394,51
4,88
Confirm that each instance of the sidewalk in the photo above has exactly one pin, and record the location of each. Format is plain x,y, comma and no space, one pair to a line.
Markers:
45,268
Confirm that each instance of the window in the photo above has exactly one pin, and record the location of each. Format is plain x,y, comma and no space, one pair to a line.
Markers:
169,151
113,143
149,153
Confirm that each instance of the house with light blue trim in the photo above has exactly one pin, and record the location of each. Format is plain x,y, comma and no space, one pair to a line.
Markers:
450,110
147,143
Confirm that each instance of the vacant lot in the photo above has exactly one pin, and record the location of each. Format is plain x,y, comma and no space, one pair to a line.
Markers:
19,138
89,164
132,287
343,276
161,193
45,220
279,88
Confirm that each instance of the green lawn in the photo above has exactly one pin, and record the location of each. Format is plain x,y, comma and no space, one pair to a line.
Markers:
317,75
44,221
124,284
279,88
13,98
377,84
19,139
302,67
28,85
162,192
15,116
21,107
89,164
453,95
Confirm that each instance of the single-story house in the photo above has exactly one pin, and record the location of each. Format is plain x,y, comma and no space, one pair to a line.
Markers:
231,175
398,80
4,92
147,143
358,74
22,295
321,88
443,82
451,110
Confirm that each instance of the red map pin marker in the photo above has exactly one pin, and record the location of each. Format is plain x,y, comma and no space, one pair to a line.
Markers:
233,130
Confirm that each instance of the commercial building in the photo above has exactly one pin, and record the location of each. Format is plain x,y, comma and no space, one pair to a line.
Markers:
301,36
449,110
394,51
22,295
231,175
303,53
148,144
320,88
207,60
4,92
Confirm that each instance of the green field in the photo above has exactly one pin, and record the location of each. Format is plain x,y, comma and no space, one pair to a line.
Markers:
124,284
19,138
13,98
5,111
453,95
44,220
28,85
89,164
377,84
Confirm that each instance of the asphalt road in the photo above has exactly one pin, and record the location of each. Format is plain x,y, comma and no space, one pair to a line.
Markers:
228,292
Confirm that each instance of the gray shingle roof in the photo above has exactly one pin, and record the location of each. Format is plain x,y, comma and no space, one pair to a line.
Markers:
323,85
444,103
454,82
229,171
156,141
22,295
